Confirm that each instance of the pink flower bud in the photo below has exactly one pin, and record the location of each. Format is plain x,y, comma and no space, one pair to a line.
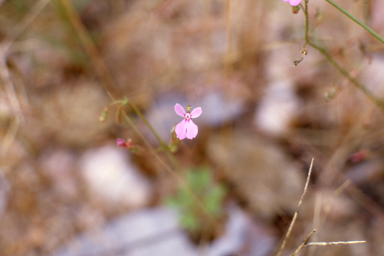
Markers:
121,143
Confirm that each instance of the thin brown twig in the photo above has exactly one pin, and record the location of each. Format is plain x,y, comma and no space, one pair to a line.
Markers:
334,243
6,76
31,16
101,68
317,220
4,49
297,211
8,85
303,243
228,35
9,137
328,206
13,102
91,49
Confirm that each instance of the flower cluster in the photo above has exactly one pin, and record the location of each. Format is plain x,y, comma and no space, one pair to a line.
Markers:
186,128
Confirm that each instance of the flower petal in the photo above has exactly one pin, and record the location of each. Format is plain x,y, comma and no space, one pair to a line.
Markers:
181,129
192,130
293,2
179,110
196,112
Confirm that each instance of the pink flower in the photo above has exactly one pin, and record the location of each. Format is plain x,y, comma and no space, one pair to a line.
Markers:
186,128
121,143
293,2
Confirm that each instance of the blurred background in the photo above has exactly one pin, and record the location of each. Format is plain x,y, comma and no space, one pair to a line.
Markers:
67,189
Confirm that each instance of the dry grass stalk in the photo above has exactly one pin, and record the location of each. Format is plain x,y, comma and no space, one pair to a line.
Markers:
334,243
5,75
305,242
297,211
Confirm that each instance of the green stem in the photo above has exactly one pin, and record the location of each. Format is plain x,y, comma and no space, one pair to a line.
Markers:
162,143
354,81
331,60
306,20
175,174
159,139
378,37
102,70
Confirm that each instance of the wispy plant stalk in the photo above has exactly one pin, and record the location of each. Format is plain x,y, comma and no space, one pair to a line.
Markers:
379,102
349,15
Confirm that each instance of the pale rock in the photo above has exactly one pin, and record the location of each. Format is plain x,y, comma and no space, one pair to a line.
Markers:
110,177
58,166
218,109
373,76
260,172
242,231
140,233
156,231
277,109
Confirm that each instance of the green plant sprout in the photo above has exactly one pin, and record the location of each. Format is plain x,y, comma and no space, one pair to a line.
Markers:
210,194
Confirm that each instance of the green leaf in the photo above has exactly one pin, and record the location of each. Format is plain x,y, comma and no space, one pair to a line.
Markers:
199,180
213,200
189,222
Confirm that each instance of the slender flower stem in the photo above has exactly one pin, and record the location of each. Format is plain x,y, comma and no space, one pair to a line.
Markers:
174,174
159,139
305,10
323,51
109,84
90,48
338,7
354,81
142,117
103,72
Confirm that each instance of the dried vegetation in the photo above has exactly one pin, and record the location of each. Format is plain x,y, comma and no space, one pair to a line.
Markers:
55,84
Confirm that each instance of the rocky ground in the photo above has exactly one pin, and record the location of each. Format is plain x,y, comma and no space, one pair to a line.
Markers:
67,189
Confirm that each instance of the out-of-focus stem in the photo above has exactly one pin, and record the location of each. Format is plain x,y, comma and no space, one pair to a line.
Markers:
306,20
90,48
142,117
368,29
174,174
354,81
102,70
323,51
159,139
